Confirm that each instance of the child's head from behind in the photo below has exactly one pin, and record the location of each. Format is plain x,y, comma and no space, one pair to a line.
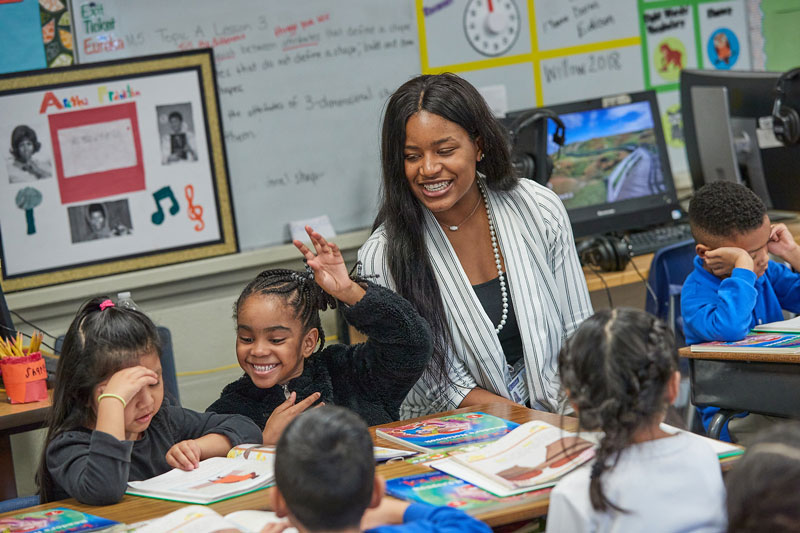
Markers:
725,214
762,487
102,340
325,470
278,325
619,370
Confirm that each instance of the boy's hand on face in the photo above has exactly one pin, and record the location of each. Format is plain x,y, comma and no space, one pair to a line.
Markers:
781,242
721,261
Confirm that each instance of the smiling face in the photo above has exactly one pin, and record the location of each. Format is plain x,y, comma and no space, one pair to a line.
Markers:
175,123
141,409
271,345
440,160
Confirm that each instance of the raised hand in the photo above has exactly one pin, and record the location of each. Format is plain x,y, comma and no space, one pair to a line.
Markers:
330,272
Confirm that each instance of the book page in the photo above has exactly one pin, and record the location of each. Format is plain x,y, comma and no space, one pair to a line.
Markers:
532,454
255,520
191,519
215,478
790,325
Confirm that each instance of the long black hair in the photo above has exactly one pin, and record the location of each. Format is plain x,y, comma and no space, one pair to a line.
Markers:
98,343
402,215
298,290
615,369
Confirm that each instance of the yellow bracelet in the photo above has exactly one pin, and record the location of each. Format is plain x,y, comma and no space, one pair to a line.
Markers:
117,396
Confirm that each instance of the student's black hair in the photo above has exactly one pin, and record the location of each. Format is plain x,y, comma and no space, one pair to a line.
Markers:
402,215
725,209
615,370
97,344
175,114
762,488
19,134
325,468
298,290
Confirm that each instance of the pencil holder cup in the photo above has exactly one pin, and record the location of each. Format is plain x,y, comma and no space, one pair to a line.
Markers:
25,378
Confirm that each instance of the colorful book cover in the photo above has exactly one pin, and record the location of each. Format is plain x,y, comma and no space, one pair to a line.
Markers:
773,342
448,431
52,520
436,488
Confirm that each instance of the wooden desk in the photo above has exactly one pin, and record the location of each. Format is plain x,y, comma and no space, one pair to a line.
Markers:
761,383
16,418
134,509
617,279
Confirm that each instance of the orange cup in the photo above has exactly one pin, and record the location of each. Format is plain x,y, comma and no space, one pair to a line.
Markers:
25,378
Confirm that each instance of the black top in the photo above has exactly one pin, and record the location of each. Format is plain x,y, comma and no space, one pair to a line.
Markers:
371,378
94,467
489,295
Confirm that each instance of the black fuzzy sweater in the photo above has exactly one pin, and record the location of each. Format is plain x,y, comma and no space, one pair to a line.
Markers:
371,378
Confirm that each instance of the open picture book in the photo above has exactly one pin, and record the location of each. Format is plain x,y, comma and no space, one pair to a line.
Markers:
536,455
755,342
56,519
247,468
197,519
436,434
791,325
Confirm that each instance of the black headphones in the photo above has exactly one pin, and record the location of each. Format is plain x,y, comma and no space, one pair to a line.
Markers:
525,156
785,119
605,252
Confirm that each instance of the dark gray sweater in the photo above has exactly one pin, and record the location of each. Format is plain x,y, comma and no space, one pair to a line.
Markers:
371,378
94,467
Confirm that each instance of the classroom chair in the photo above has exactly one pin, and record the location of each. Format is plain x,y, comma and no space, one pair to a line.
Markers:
668,270
168,372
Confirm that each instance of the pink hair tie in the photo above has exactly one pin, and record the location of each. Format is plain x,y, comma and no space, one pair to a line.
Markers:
106,304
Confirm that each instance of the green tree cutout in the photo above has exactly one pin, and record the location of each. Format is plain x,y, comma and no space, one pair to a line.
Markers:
27,199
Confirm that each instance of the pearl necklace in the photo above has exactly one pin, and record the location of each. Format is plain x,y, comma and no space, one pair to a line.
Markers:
497,262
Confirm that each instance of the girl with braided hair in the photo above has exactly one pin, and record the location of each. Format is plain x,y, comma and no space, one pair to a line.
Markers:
280,345
620,373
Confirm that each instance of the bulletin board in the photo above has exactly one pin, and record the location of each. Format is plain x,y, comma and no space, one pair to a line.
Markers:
110,168
545,52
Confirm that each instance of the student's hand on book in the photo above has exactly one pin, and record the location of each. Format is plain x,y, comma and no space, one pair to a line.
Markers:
330,272
128,381
285,413
184,455
276,527
721,261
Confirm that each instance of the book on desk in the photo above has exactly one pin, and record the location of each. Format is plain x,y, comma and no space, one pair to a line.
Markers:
754,342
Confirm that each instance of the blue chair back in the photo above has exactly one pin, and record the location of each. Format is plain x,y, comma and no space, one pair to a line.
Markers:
15,504
670,267
168,372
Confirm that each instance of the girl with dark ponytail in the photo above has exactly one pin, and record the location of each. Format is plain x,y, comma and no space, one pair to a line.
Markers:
108,425
620,373
280,345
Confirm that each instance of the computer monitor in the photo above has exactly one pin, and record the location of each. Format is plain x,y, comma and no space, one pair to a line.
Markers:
727,131
612,173
7,329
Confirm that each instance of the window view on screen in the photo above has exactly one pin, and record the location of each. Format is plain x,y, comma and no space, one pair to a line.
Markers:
610,155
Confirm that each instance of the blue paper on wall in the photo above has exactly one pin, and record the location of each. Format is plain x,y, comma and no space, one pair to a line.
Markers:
21,45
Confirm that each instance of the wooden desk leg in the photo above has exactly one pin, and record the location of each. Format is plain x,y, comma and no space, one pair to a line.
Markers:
8,481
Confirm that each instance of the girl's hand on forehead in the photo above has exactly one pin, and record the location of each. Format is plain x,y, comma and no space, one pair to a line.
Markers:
330,271
129,381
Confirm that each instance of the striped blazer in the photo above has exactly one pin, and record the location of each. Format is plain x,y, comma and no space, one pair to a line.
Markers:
546,284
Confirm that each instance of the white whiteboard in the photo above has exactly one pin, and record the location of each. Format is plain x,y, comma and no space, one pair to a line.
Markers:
301,87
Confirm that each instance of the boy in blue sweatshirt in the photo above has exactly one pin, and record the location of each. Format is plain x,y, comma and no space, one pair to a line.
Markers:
325,481
734,285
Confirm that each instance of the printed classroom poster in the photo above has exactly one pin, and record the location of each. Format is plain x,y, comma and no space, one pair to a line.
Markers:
110,170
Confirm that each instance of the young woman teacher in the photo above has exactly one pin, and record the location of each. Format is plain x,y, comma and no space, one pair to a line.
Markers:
489,260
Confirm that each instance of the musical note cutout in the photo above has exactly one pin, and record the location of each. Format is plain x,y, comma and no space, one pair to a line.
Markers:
160,194
194,211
